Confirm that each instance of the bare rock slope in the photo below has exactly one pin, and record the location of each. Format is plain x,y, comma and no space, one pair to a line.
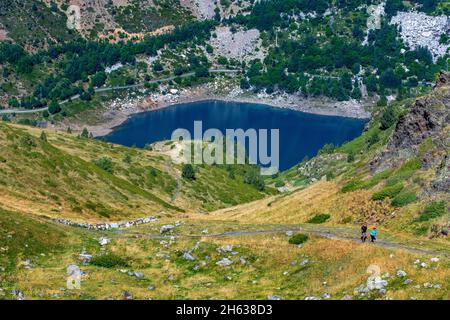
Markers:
423,132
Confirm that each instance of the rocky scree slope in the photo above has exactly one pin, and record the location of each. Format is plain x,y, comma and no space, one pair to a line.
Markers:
423,132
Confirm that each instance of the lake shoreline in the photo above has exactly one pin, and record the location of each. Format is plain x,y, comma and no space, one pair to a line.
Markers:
114,117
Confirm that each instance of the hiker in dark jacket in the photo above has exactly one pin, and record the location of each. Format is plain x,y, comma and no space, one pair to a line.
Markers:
363,232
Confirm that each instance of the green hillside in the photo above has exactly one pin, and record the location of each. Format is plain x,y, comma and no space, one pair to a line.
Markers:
67,176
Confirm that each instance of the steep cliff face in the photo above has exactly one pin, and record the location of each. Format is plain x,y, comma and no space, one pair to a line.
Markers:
423,132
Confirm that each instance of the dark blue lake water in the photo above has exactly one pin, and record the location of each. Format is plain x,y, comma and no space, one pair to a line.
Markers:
301,134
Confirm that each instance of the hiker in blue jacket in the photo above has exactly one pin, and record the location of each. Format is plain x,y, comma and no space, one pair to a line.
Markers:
373,234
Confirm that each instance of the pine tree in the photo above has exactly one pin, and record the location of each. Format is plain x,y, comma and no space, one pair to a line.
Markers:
188,172
43,136
388,119
85,133
351,156
54,107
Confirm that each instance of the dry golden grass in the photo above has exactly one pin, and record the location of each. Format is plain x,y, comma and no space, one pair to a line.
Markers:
294,208
301,205
341,265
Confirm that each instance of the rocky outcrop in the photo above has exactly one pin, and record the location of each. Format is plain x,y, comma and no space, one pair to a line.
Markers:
421,30
106,226
438,230
443,79
442,182
243,45
318,167
423,132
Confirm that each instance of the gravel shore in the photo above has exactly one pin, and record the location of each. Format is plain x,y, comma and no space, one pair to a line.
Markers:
119,111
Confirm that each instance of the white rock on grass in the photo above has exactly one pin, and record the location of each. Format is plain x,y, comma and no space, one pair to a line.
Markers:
188,256
376,283
407,281
326,296
85,257
401,273
304,263
104,241
224,262
166,228
135,274
18,295
227,248
127,295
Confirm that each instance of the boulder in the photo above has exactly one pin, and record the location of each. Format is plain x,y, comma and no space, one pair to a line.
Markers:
326,296
227,248
135,274
401,273
428,285
376,283
224,262
104,241
188,256
85,257
127,295
166,228
435,259
304,263
18,295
